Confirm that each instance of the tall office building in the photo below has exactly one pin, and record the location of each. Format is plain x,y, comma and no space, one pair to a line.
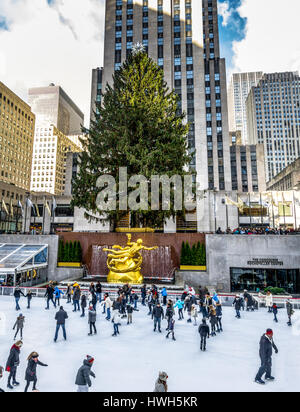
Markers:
16,144
239,88
182,37
273,113
96,90
52,105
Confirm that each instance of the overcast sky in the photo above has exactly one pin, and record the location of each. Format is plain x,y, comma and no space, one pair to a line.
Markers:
60,41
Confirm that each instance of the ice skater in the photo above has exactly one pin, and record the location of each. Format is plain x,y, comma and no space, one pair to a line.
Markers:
61,317
83,380
171,328
49,295
194,313
179,304
249,301
275,311
29,297
20,325
30,375
157,316
237,303
265,352
116,320
219,316
83,305
92,320
169,312
1,375
57,295
17,295
76,298
269,301
12,364
290,312
129,309
213,320
204,334
107,304
69,293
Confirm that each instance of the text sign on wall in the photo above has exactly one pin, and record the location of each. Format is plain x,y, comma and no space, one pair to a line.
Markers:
265,262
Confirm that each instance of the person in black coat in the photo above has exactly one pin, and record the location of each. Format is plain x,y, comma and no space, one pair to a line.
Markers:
61,317
237,303
29,297
171,324
30,374
169,313
83,305
157,315
99,291
265,352
94,300
49,295
249,301
17,295
1,375
12,363
144,294
204,334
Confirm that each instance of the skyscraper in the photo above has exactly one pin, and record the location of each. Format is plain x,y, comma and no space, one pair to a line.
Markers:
239,88
273,113
182,36
96,90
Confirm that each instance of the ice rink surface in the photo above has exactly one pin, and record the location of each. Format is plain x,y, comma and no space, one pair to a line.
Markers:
131,361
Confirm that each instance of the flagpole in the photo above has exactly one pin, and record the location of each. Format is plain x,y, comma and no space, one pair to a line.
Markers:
250,210
43,230
295,213
283,203
261,209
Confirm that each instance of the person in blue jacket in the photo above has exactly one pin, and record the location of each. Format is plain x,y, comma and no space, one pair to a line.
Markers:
57,294
164,294
179,304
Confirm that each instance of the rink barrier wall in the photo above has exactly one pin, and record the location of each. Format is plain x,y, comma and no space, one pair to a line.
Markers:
226,299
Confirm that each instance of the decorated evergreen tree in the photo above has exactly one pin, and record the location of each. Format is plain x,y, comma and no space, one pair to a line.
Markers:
138,127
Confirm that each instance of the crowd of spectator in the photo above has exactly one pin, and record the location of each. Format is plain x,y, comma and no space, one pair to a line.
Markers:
258,231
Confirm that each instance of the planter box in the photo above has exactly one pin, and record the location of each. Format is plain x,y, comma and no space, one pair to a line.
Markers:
193,268
69,264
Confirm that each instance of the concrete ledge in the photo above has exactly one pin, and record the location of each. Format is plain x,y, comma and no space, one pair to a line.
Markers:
192,278
68,273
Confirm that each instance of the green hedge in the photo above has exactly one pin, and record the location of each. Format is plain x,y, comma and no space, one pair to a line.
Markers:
193,256
69,252
275,291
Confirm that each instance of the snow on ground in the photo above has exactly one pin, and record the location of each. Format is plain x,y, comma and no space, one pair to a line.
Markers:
131,361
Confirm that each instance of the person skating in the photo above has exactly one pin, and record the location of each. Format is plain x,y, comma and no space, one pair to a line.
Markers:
30,374
265,352
135,298
29,297
157,315
20,325
17,295
275,311
83,305
194,314
204,334
57,295
213,320
290,312
179,304
61,317
219,316
69,293
116,320
171,328
150,302
129,309
143,294
12,364
249,301
169,313
92,320
83,380
161,382
49,295
76,298
98,290
107,303
164,295
269,301
1,375
93,300
188,307
237,306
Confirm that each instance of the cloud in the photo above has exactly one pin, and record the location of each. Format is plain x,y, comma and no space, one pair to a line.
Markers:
225,12
57,41
271,41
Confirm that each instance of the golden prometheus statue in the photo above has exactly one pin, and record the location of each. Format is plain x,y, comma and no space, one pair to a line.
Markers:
125,264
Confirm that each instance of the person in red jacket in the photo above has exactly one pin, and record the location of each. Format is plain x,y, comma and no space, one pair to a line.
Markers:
12,363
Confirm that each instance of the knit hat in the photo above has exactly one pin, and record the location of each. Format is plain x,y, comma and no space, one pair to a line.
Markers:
89,358
269,332
163,376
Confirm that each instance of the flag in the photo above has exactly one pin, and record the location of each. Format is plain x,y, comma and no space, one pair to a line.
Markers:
47,207
4,207
54,206
29,202
37,210
20,206
11,208
239,204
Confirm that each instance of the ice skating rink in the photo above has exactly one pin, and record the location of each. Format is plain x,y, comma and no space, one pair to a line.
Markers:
131,361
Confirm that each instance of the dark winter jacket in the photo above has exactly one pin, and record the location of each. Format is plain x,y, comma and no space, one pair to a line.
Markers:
83,301
275,309
92,316
98,288
129,309
203,330
76,294
171,324
84,373
249,299
169,312
237,303
29,296
18,293
30,374
219,311
13,359
49,292
289,309
143,291
158,312
19,322
61,317
265,348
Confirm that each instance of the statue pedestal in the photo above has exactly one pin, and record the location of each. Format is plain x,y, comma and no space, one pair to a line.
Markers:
128,277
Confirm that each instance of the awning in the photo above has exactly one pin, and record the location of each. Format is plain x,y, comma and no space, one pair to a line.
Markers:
17,258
